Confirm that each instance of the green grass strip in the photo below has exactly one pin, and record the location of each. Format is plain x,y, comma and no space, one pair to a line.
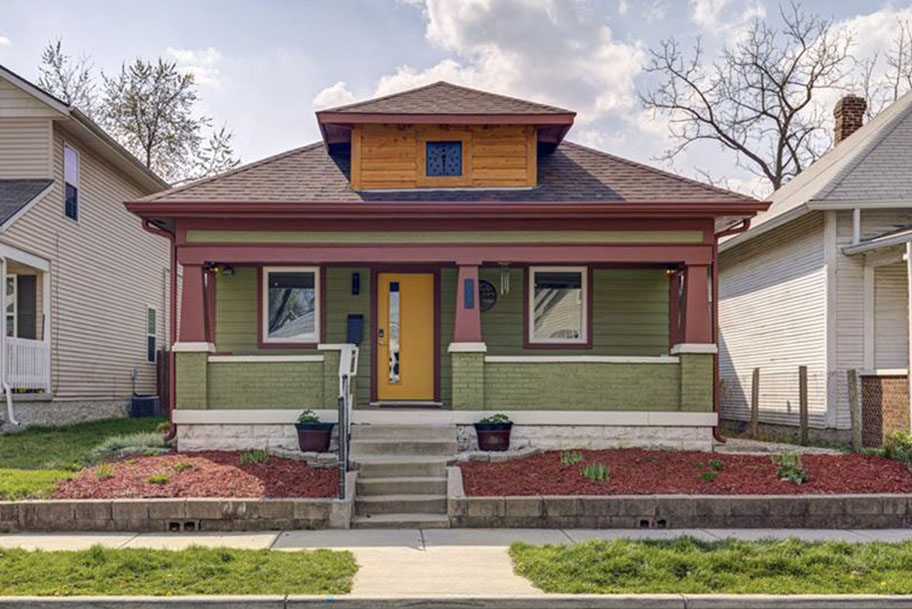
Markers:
687,565
16,484
107,572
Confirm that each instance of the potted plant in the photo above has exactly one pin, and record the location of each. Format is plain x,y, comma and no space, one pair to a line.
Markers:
494,432
313,436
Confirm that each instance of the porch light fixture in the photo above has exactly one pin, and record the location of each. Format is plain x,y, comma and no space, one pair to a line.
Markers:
219,269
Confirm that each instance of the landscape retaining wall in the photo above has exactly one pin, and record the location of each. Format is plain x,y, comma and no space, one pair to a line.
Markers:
893,511
162,515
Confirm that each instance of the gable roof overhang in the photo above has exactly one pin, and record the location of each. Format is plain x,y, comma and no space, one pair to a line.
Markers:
76,122
165,214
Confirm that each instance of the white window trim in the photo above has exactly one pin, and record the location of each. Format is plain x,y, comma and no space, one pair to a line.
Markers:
264,305
153,335
530,304
67,146
15,303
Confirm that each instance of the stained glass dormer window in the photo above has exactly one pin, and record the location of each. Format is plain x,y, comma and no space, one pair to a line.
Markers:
444,159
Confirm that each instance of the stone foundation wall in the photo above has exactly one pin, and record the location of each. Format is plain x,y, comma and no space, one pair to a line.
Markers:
561,437
195,437
30,411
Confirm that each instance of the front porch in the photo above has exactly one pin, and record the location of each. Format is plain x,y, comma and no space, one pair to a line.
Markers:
595,346
26,353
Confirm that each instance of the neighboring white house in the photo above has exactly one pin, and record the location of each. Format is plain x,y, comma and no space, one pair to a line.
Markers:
86,292
821,280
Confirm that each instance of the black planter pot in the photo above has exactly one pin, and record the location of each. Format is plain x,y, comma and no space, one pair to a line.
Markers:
493,436
314,437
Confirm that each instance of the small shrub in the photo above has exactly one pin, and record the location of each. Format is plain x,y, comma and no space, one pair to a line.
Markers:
182,466
899,447
596,471
716,465
571,457
308,416
498,418
163,427
254,456
105,471
789,469
708,476
159,478
700,465
146,443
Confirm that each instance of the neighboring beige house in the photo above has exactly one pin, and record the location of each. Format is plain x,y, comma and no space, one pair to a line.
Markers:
820,280
86,286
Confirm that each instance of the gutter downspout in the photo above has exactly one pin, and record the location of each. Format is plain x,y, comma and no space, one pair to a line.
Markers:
735,230
172,325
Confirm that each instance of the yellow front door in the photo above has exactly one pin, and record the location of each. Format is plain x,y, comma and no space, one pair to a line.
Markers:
405,336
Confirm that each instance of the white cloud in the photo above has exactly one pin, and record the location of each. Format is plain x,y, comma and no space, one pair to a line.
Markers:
721,17
203,64
623,7
655,12
5,42
552,51
336,95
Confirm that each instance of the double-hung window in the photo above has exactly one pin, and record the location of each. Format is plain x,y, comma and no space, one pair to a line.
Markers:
558,306
71,182
11,304
291,305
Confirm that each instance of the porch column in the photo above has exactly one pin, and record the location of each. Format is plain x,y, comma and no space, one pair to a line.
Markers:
193,326
467,326
697,309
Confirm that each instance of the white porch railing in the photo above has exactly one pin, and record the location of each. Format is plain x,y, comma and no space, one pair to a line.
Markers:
28,364
348,369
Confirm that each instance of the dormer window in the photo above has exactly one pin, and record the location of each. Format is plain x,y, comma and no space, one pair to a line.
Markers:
444,159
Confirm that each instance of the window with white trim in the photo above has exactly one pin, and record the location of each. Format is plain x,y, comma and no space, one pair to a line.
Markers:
291,305
11,303
558,305
71,182
151,335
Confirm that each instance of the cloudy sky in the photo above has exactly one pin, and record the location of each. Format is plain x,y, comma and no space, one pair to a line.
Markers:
264,67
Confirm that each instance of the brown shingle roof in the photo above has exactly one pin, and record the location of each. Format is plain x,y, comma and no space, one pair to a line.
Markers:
572,173
445,98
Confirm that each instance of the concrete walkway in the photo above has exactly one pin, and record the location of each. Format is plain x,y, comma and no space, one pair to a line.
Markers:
422,562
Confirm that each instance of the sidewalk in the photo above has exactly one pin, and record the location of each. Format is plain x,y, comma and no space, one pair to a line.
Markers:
424,562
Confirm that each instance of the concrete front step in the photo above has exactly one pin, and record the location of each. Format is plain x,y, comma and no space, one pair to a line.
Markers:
403,432
401,521
361,448
400,504
402,485
399,467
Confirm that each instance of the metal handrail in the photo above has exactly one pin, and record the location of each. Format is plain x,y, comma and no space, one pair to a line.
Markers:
348,369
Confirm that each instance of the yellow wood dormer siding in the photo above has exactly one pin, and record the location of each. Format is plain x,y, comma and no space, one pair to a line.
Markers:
391,156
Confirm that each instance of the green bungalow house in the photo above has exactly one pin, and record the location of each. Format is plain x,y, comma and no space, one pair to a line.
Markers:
479,262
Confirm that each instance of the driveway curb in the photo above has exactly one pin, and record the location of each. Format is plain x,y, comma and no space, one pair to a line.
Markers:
545,601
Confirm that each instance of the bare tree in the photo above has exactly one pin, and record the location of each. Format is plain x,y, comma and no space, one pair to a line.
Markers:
886,76
66,78
756,98
149,108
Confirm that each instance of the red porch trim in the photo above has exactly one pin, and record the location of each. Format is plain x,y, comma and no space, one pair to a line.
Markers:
467,323
193,326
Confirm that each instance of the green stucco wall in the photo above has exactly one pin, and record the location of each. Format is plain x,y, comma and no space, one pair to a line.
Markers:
267,385
236,316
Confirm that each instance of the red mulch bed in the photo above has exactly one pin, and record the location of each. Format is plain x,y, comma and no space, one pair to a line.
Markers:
646,472
214,474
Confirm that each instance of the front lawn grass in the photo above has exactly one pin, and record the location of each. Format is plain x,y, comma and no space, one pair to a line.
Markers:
64,447
16,484
687,565
106,572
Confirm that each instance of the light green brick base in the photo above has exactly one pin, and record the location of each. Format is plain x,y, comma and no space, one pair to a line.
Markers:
468,381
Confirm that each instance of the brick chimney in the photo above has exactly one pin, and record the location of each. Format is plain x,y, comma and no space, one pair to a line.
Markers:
849,113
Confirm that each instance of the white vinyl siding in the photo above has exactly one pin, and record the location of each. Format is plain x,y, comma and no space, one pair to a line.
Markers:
16,103
105,272
25,148
891,317
772,316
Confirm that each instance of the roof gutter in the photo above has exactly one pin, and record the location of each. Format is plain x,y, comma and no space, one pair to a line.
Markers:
172,323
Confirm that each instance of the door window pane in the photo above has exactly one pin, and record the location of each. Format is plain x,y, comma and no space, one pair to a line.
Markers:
291,306
558,306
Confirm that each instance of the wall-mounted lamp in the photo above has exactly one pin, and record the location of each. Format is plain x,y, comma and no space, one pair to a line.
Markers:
219,269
